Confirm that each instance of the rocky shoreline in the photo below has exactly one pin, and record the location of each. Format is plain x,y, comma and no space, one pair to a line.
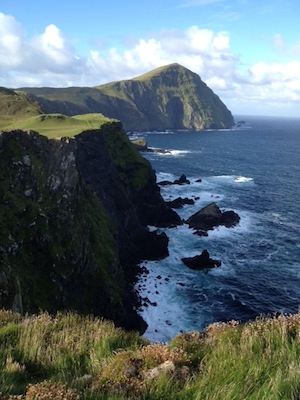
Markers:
201,223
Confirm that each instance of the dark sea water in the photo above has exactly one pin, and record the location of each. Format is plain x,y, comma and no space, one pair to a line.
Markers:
254,171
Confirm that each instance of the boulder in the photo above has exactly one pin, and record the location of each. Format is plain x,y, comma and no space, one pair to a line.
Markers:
180,181
202,261
230,219
179,202
152,245
211,216
166,368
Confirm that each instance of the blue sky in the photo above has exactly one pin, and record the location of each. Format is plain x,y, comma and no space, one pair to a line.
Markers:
247,51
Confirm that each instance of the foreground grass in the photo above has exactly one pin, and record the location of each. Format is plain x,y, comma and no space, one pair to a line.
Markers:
71,357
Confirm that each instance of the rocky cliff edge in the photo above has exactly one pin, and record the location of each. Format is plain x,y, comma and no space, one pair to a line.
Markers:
74,216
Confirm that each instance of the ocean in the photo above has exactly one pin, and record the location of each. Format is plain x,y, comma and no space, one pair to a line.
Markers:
253,170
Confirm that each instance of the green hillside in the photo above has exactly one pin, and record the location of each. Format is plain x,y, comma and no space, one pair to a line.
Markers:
15,106
58,125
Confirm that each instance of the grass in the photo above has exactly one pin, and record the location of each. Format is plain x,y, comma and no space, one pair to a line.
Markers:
58,125
68,356
133,169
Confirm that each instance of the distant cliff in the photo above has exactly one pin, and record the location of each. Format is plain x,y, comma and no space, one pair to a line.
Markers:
73,216
170,97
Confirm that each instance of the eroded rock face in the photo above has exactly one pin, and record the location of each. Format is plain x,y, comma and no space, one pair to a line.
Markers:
71,225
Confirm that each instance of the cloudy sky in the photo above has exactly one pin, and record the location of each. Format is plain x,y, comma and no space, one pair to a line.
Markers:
246,51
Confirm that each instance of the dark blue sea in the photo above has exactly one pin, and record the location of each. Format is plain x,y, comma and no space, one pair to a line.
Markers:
253,170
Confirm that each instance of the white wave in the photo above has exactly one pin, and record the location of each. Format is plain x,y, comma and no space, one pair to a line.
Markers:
165,176
170,152
242,179
165,132
245,225
164,314
232,178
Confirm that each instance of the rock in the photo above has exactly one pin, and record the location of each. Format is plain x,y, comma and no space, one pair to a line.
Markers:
28,192
182,181
140,144
202,261
179,202
230,219
166,368
165,183
26,161
211,216
153,246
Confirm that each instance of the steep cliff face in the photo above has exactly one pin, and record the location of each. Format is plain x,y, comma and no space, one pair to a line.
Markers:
170,97
71,231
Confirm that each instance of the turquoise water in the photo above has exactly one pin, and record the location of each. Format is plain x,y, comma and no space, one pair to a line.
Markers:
255,172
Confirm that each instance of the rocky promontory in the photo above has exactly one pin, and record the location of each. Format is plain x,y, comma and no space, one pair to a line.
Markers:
74,216
167,98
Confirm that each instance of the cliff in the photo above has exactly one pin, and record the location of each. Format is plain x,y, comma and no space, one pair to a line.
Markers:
73,222
170,97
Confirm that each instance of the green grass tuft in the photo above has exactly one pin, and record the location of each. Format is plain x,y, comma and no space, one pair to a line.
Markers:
89,358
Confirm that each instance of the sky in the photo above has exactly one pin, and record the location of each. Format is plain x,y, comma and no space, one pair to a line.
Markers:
246,51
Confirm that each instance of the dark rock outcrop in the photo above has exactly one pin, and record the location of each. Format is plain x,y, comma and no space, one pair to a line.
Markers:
179,202
74,215
210,217
182,180
202,261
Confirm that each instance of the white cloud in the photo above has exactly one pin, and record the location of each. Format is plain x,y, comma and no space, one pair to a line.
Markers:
201,50
11,34
48,59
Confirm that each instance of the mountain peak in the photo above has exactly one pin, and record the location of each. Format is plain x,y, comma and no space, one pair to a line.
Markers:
174,67
168,97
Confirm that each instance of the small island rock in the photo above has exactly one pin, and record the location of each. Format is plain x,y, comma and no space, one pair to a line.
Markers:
211,216
202,261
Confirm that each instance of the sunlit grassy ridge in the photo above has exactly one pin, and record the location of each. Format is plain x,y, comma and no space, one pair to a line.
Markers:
15,106
72,357
59,125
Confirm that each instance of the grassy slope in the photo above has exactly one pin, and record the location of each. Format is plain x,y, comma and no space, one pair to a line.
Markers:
86,358
58,125
17,111
15,106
